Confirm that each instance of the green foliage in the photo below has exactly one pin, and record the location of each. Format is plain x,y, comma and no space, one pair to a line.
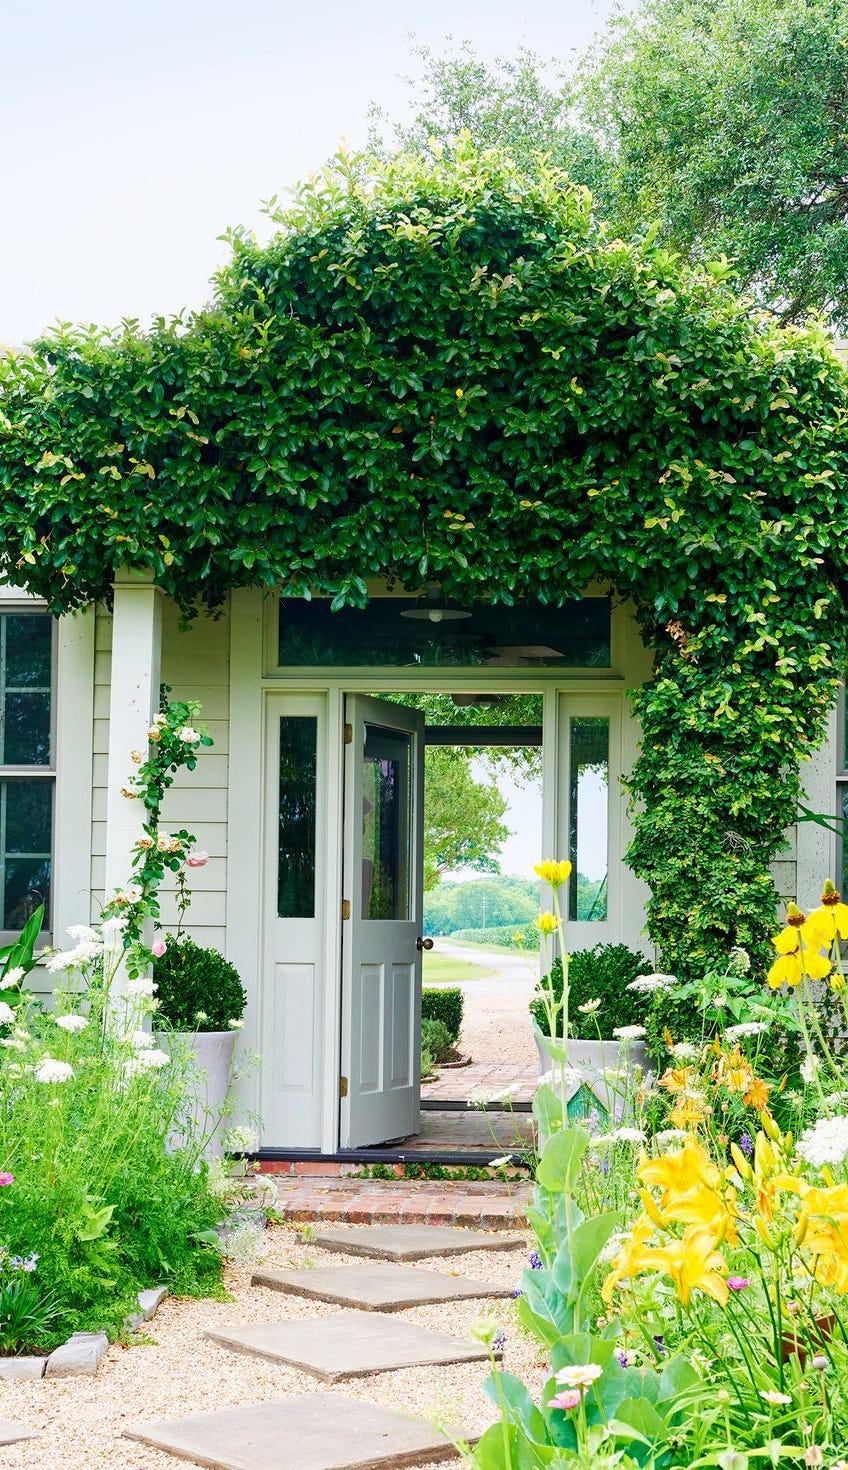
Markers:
682,98
198,990
436,1040
507,936
27,1312
509,402
602,973
444,1006
462,815
484,903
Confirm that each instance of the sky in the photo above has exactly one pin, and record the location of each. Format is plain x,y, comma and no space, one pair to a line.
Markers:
136,131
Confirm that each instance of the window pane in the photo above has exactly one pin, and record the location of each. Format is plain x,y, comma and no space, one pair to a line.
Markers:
843,809
588,819
489,636
25,688
386,823
296,834
27,732
28,651
26,824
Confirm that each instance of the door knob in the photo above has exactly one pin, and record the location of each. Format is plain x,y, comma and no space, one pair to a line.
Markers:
423,943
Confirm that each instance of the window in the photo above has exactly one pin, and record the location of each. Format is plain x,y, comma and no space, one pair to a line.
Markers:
296,828
27,766
841,879
588,817
403,632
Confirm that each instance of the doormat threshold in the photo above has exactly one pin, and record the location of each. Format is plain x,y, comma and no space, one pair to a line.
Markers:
460,1105
459,1157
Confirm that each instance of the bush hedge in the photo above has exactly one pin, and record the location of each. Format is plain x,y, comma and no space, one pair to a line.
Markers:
197,989
444,1006
602,973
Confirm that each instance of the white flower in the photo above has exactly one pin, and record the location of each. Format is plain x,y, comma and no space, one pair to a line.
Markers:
745,1028
719,1002
241,1140
589,1007
647,984
628,1135
774,1397
7,1015
629,1033
115,925
500,1163
81,932
189,735
685,1051
50,1070
506,1094
667,1136
235,1025
579,1375
826,1143
568,1076
139,1038
152,1056
13,1043
808,1069
71,1023
12,977
739,960
140,986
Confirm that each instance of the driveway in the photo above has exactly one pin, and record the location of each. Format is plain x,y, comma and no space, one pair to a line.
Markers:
496,1023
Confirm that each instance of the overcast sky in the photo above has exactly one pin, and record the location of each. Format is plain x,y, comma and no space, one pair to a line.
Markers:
136,131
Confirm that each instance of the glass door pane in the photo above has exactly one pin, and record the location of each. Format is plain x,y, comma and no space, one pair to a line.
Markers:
297,824
386,825
588,817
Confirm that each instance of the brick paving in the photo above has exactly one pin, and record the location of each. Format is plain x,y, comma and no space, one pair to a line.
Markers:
487,1204
458,1084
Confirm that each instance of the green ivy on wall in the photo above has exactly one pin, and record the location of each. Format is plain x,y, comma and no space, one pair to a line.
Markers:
445,370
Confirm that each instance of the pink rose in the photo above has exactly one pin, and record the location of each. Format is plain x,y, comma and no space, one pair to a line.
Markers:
158,947
197,860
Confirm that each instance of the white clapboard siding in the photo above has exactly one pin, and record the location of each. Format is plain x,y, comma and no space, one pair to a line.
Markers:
195,663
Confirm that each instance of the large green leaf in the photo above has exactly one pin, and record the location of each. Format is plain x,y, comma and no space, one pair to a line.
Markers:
559,1166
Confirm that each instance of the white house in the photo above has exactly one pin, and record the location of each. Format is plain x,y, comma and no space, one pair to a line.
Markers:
333,972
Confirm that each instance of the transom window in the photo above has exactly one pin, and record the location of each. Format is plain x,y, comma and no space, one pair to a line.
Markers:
429,632
27,766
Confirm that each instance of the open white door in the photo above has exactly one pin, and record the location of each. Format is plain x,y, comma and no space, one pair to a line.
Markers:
381,938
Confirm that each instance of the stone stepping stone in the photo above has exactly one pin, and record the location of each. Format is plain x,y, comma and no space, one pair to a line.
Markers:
411,1242
348,1345
381,1287
11,1433
313,1431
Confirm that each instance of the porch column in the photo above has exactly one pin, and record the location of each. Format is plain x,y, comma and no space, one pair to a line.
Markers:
133,701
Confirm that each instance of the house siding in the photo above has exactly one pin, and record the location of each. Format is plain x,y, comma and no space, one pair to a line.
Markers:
196,665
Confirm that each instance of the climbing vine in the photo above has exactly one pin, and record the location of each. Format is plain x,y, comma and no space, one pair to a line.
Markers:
444,370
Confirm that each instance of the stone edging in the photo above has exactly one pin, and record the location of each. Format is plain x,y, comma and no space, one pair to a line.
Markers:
83,1351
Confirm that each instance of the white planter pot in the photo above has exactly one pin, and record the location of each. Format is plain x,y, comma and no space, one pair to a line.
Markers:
598,1065
213,1054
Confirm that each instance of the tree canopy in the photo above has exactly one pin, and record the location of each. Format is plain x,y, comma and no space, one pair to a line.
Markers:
723,121
444,369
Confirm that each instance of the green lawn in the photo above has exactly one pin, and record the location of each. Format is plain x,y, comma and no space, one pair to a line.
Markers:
446,970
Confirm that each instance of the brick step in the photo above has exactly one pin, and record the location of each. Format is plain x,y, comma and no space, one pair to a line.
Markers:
486,1204
336,1169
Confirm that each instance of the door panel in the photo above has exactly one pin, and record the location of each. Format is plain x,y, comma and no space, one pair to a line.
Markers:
381,990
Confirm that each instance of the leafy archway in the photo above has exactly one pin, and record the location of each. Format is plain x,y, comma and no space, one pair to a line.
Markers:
445,370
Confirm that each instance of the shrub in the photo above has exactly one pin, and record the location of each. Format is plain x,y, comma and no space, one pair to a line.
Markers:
198,989
507,936
436,1039
444,1006
602,973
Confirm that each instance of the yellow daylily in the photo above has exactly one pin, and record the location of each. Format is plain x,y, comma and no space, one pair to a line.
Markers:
831,920
677,1173
692,1263
689,1111
798,948
694,1191
555,873
628,1261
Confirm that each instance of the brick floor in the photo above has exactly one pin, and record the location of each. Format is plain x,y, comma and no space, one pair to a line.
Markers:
460,1083
488,1204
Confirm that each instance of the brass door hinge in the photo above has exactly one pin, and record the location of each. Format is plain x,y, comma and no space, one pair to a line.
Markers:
345,908
342,1087
348,734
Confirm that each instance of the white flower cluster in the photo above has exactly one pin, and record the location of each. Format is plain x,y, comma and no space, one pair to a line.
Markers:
589,1007
71,1023
146,1059
241,1140
7,1015
826,1143
685,1051
618,1135
648,984
140,986
809,1069
12,977
51,1070
745,1028
629,1033
85,951
667,1136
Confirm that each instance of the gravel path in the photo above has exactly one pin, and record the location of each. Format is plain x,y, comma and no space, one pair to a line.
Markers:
496,1025
80,1421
